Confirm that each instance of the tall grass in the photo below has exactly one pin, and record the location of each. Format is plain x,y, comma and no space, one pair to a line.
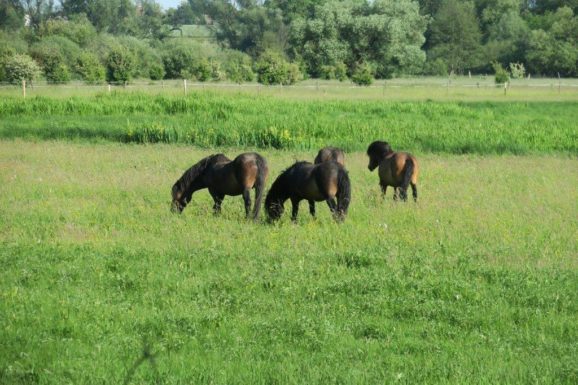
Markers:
208,119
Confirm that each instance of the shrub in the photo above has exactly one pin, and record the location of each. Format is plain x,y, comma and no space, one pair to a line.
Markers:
156,71
177,62
89,68
202,70
341,72
517,70
327,72
272,68
20,67
119,65
363,75
502,75
237,67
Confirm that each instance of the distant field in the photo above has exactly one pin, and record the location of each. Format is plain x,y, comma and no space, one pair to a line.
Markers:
475,284
211,119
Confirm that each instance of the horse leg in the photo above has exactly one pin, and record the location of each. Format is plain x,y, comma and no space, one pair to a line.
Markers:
414,191
295,209
312,208
247,199
403,193
218,200
395,193
383,190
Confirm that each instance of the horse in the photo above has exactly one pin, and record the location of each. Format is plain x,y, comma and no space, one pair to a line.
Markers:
330,153
313,182
396,169
223,176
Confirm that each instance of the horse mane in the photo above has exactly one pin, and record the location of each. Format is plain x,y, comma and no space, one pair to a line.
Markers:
379,148
280,184
194,172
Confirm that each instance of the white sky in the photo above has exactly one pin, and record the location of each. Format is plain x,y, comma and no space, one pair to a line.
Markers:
166,4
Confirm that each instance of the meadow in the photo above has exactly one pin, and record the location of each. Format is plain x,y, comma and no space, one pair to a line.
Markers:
477,283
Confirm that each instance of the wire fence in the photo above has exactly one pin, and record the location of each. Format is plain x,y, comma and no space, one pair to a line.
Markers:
184,85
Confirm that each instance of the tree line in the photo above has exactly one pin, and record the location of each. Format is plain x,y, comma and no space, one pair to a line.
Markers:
282,41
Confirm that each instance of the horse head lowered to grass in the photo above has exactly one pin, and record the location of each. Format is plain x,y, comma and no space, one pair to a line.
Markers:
223,176
314,183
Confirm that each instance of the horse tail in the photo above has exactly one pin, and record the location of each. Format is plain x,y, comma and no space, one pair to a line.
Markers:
262,173
343,192
407,174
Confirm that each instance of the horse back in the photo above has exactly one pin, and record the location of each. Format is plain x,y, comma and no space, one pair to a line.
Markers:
392,169
327,154
246,168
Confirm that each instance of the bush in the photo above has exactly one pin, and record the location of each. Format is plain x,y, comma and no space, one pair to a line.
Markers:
119,65
156,71
517,70
436,67
237,66
341,72
362,75
327,72
177,62
502,75
273,69
89,68
20,67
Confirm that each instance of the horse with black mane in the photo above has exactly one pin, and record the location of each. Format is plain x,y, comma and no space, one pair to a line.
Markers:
223,176
396,169
330,153
314,183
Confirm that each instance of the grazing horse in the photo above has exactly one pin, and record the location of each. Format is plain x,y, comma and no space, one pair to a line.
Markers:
330,153
223,176
396,169
313,182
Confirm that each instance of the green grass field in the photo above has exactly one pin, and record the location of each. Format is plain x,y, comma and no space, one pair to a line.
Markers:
477,283
214,119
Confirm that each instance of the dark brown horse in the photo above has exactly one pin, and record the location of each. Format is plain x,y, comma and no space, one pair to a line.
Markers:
396,169
223,176
314,183
330,153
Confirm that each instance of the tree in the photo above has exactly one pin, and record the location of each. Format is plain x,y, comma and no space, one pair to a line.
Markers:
119,65
20,67
455,36
272,68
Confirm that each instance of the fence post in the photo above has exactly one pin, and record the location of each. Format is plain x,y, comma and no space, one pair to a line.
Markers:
23,88
505,87
108,88
559,85
185,85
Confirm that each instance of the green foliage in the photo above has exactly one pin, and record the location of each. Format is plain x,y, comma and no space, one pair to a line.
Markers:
387,33
89,68
272,68
238,67
363,74
517,70
501,74
119,66
157,71
77,29
20,67
341,72
454,38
